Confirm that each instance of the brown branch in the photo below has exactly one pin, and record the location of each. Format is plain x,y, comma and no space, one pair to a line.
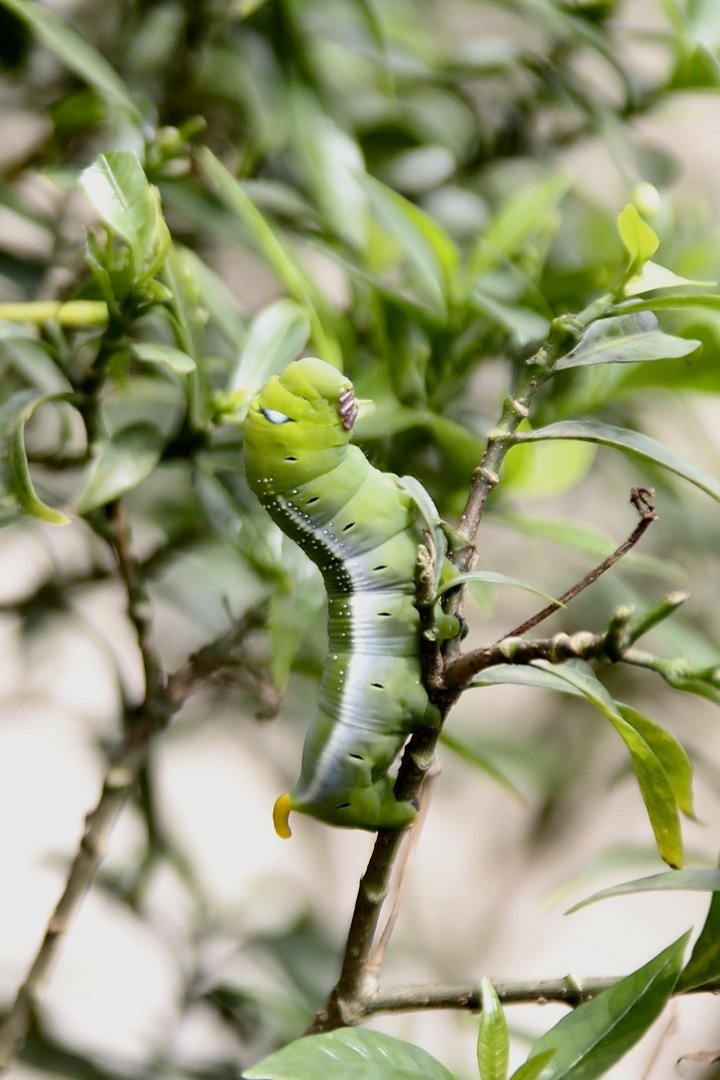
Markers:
641,499
460,670
567,990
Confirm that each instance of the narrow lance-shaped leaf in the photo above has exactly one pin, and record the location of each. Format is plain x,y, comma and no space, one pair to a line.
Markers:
704,962
653,276
655,788
129,456
669,752
699,880
278,254
490,577
14,415
475,757
631,441
588,1042
74,51
349,1054
625,339
493,1046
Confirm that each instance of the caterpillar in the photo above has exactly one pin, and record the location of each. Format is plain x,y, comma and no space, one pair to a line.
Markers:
363,530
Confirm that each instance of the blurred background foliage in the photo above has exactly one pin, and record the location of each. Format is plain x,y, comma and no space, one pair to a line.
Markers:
413,190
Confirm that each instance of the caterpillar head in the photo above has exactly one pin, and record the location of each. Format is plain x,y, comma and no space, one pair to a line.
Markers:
309,405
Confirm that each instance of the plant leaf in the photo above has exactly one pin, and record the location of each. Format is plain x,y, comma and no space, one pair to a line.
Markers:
587,1042
640,240
121,463
696,880
704,962
516,221
654,276
177,361
473,756
14,415
631,441
74,51
669,753
523,675
625,339
119,191
276,336
493,1046
349,1054
277,253
431,252
655,788
490,577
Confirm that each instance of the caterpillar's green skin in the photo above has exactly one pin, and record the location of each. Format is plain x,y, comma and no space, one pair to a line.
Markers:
361,528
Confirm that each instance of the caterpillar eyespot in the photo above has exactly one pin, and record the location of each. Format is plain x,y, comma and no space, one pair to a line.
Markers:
311,458
275,416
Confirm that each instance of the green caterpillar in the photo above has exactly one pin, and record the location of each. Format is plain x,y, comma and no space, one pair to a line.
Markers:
363,531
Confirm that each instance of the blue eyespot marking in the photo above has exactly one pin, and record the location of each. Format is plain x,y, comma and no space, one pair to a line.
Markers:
276,417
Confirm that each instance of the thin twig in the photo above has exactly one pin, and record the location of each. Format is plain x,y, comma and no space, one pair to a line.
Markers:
641,499
149,718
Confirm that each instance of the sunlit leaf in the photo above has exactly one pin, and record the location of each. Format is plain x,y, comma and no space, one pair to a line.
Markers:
640,239
625,339
631,441
349,1054
121,463
588,1041
493,1046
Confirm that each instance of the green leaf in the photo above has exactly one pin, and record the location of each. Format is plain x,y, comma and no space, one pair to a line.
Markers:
654,276
177,361
293,617
704,962
493,1046
631,441
669,753
490,577
517,220
430,251
531,1070
655,787
121,463
119,191
670,881
540,472
625,339
349,1054
14,415
524,675
640,240
587,1042
276,335
77,54
278,253
475,757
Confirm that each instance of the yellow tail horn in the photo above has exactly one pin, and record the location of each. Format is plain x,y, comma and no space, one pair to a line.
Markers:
281,815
